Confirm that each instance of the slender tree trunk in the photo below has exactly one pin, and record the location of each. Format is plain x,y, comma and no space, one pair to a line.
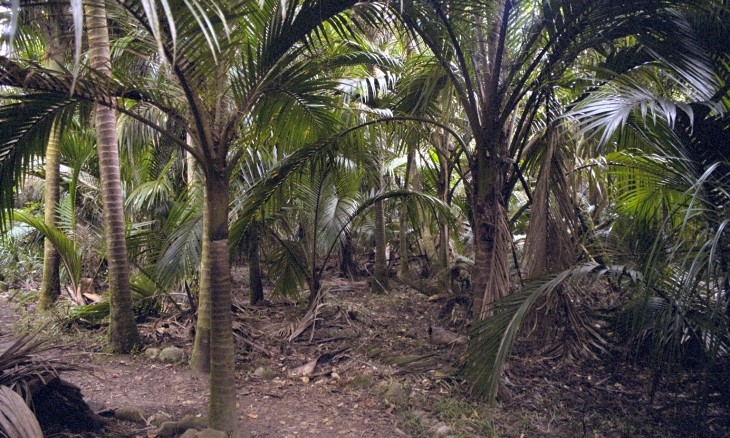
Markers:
404,267
380,283
256,289
200,357
222,404
348,267
190,164
444,177
51,283
123,335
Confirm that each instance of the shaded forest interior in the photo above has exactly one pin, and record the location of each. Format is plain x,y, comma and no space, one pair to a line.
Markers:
466,217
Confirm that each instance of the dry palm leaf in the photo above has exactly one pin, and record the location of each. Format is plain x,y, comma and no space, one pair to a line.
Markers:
58,404
16,418
295,329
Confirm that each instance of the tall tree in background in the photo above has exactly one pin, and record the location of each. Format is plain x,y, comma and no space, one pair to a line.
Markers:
51,283
123,335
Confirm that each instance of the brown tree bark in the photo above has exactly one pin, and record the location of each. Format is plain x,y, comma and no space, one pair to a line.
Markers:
222,403
123,335
491,231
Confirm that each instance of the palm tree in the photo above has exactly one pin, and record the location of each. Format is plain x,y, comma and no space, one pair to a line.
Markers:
51,283
123,335
502,58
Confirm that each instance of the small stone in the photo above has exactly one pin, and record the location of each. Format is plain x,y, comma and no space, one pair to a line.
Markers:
131,414
152,353
396,394
171,354
265,373
158,418
440,429
443,431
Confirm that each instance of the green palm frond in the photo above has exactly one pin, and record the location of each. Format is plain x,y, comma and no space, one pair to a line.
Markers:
25,124
180,254
493,338
65,246
288,266
153,192
649,187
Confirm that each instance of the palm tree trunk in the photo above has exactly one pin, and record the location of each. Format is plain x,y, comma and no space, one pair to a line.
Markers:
123,335
404,268
51,283
190,164
348,267
491,233
222,403
256,289
200,357
443,194
380,283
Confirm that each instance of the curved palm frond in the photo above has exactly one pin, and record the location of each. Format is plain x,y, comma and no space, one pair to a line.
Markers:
25,124
65,246
493,338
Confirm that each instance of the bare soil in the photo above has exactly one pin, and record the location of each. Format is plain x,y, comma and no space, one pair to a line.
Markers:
376,375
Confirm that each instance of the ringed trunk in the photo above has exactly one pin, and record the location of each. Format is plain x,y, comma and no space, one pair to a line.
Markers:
123,335
256,289
222,403
380,283
51,283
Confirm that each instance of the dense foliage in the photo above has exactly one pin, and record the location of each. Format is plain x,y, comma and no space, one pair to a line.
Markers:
519,156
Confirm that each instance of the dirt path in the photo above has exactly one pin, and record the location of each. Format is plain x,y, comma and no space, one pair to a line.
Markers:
268,408
273,405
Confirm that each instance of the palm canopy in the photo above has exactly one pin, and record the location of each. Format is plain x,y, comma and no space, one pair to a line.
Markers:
167,65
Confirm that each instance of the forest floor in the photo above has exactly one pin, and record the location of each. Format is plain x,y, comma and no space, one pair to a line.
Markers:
365,369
